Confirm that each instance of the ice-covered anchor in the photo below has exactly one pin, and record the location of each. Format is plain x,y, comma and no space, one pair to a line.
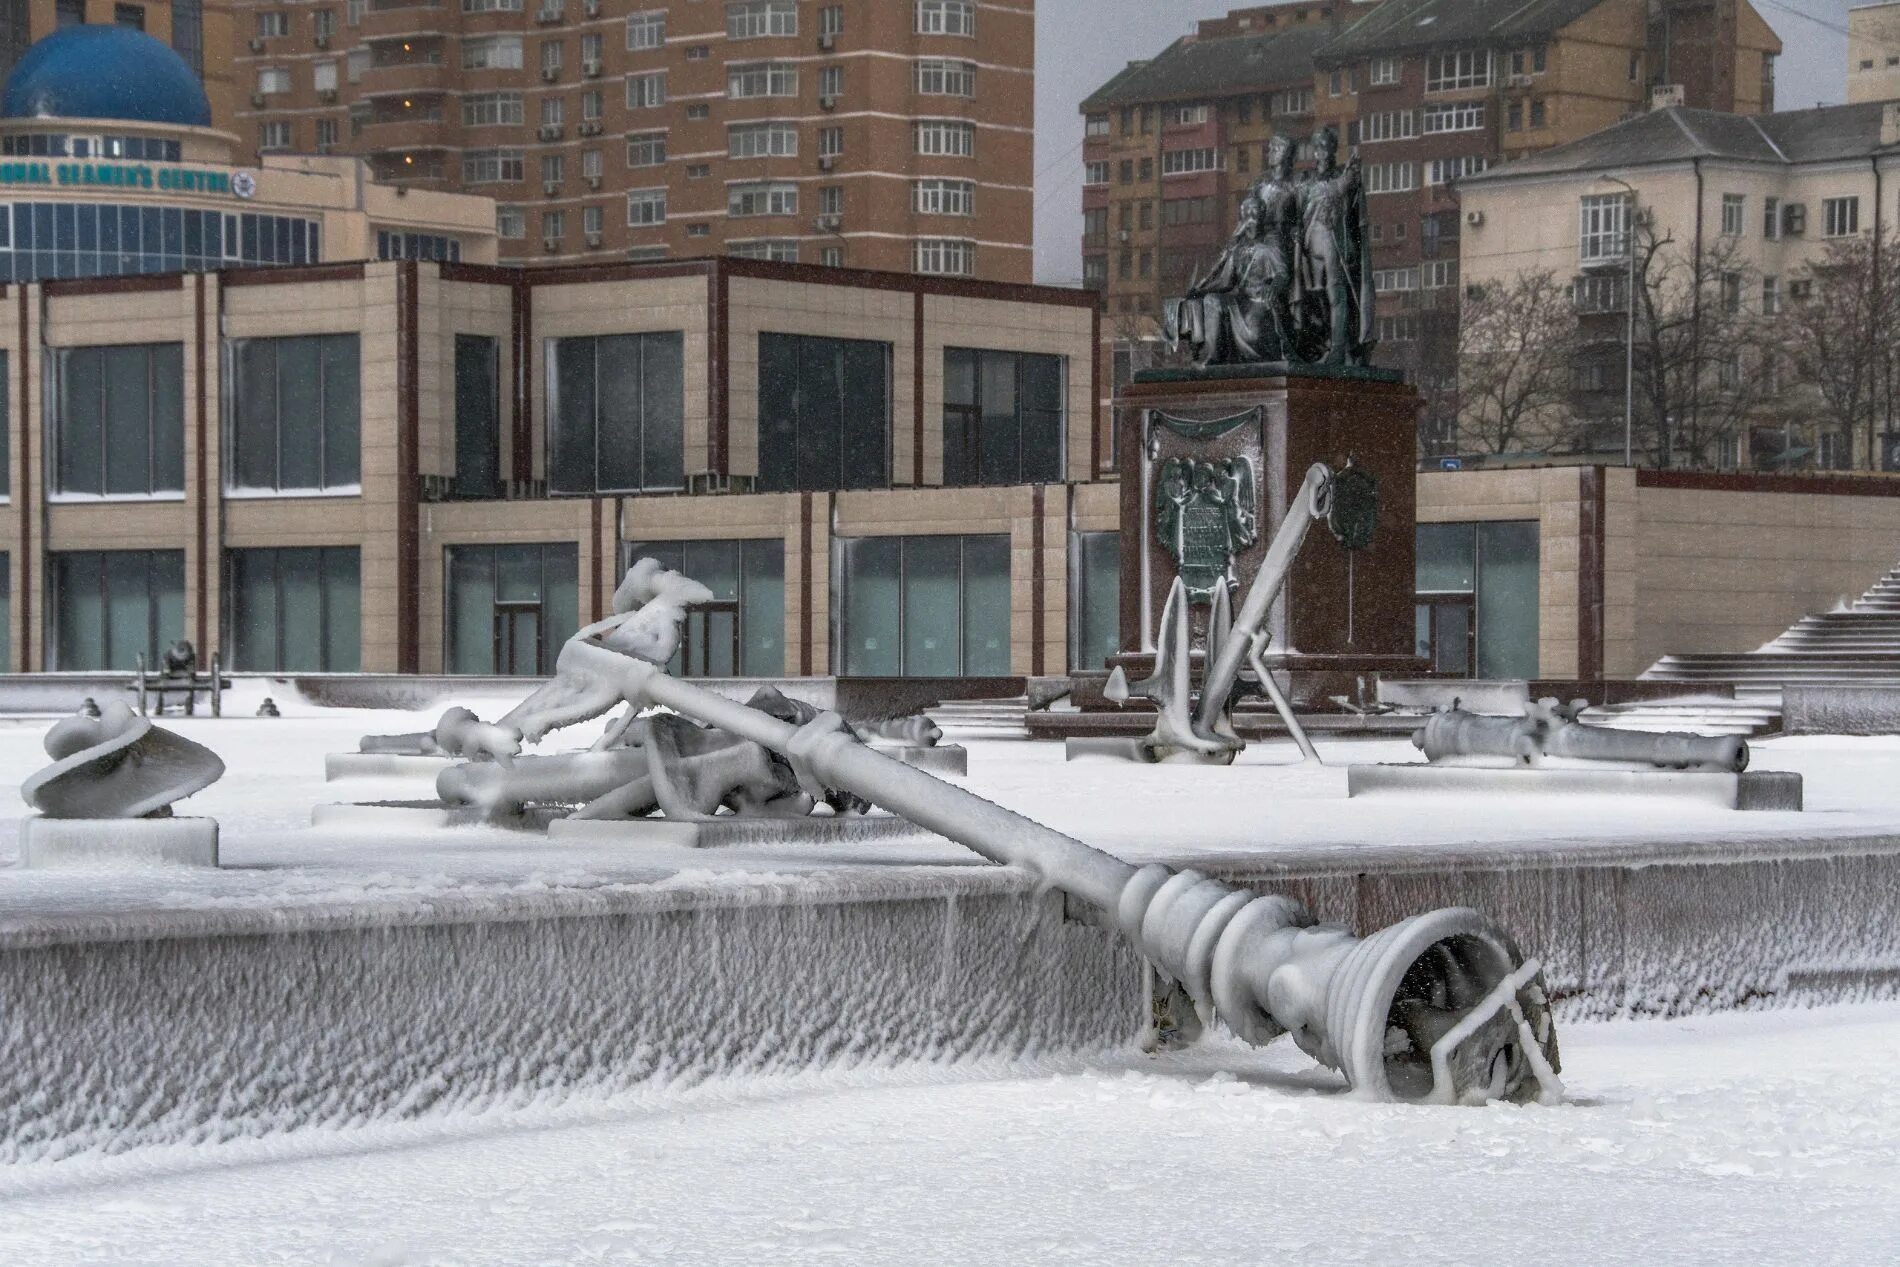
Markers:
1440,1008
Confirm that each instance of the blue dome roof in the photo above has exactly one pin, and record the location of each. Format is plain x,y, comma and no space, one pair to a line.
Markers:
105,72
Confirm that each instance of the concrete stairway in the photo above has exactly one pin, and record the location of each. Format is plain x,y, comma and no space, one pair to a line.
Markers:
981,718
1700,715
1860,643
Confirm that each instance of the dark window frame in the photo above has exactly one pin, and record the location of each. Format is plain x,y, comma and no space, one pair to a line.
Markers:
966,446
562,354
343,449
477,422
233,596
56,606
817,434
58,409
499,631
694,659
840,601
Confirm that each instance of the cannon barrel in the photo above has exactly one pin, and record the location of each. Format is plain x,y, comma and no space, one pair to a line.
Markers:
1456,736
1439,1008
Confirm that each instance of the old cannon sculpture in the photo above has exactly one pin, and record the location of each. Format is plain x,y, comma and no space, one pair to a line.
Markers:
1440,1008
1550,734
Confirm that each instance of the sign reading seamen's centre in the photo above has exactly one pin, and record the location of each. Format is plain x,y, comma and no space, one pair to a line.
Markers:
183,180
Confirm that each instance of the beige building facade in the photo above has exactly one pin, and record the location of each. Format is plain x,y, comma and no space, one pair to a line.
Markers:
1765,199
1632,565
405,466
1873,52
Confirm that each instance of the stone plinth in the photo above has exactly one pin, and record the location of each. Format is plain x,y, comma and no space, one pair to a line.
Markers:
1754,790
1341,613
95,842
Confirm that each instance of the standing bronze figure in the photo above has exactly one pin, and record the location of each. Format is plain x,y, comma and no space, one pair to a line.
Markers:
1294,284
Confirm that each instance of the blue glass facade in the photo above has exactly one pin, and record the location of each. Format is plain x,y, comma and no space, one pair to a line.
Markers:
151,149
39,240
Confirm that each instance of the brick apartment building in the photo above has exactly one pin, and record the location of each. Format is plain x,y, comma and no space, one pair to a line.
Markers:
1429,90
863,133
199,32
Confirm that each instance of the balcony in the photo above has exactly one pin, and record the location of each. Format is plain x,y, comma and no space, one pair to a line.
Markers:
406,77
385,18
414,131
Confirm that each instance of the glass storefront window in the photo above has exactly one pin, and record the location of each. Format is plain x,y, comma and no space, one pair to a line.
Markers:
1002,417
1095,627
741,633
294,610
109,607
824,413
296,415
923,606
617,413
477,417
50,240
510,607
1477,606
118,420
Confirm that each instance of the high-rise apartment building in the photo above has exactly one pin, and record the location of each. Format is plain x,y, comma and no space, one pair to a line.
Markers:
881,134
198,31
1428,91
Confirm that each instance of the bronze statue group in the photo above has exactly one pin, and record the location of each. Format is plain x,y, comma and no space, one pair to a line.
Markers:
1294,284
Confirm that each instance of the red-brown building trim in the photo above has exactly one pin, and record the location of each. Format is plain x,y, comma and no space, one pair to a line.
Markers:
521,432
1592,511
1037,578
804,584
917,391
719,331
201,493
28,565
772,270
1832,485
479,274
597,600
408,440
137,283
287,274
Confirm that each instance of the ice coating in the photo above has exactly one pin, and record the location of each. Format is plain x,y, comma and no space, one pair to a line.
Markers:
117,765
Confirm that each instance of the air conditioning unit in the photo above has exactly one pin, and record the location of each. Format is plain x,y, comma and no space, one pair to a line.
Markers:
1794,219
550,187
591,68
830,223
1520,81
327,96
593,182
257,98
550,131
593,239
827,41
590,127
827,102
826,162
323,41
550,73
1475,219
551,245
257,45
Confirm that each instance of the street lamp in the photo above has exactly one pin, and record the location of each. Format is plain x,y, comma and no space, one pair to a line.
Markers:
1629,340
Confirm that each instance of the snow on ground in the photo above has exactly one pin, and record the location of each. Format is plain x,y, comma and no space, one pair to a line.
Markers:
1266,803
1756,1138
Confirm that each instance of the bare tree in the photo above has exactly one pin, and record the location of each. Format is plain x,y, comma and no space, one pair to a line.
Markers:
1701,341
1841,342
1516,346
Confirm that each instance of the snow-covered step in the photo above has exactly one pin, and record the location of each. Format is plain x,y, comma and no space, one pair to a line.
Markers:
1701,716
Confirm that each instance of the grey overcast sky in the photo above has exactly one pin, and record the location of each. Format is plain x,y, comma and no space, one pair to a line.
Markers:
1080,43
